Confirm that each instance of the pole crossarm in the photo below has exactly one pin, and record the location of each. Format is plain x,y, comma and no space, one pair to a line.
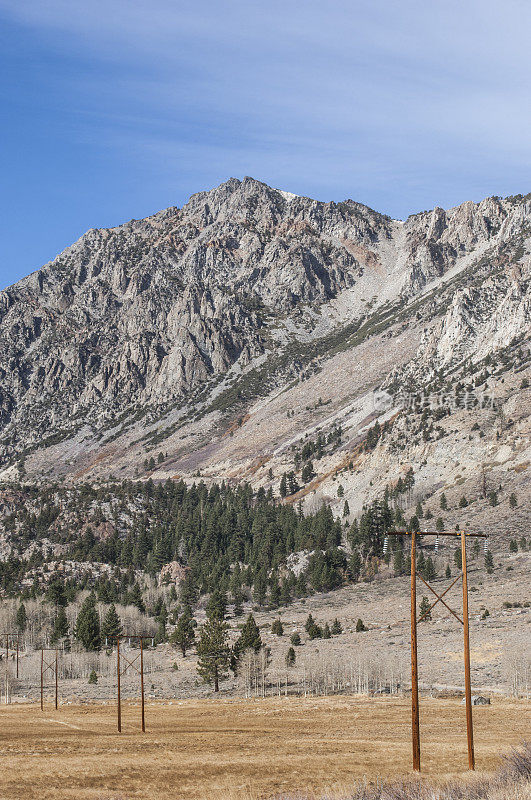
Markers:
440,598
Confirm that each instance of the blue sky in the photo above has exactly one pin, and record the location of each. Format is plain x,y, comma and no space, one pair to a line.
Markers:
116,109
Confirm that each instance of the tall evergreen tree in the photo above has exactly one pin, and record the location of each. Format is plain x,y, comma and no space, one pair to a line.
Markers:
184,634
87,627
111,625
217,604
60,625
135,598
249,637
21,618
213,652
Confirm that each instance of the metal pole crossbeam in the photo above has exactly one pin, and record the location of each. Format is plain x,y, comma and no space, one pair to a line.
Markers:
464,622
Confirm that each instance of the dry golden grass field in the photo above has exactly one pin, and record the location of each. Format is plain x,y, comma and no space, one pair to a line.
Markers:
239,749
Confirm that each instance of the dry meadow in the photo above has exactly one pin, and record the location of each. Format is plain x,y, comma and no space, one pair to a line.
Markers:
240,749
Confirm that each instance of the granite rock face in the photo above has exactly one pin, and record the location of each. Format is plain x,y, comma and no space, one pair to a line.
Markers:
137,319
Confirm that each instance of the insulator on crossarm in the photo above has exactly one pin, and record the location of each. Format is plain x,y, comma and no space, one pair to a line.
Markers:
486,545
385,545
436,544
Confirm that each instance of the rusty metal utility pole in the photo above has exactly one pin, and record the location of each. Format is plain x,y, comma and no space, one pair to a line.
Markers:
139,669
54,667
415,728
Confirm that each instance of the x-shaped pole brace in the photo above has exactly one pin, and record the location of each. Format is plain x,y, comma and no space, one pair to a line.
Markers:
440,598
47,666
129,663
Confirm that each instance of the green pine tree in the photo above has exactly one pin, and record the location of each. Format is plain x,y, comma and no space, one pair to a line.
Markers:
290,657
213,652
21,618
336,627
217,605
425,609
249,637
111,626
135,598
87,627
60,625
184,634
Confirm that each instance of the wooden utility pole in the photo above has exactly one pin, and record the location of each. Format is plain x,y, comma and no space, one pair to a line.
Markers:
468,689
142,683
464,621
122,658
56,680
415,729
54,667
118,673
16,637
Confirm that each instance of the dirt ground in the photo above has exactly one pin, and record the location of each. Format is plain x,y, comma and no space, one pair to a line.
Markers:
236,749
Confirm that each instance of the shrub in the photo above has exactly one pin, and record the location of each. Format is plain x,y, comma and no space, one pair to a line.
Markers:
290,657
336,627
425,609
315,632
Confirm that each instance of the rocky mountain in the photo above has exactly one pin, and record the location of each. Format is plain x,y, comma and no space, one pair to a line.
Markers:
217,338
